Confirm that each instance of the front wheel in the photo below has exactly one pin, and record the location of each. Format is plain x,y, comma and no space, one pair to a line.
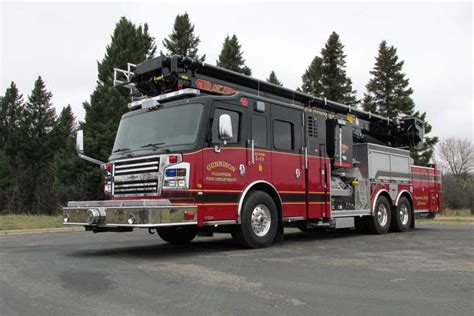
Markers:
177,235
379,223
402,216
259,221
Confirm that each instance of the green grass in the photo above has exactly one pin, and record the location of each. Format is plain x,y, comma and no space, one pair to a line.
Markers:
12,222
455,219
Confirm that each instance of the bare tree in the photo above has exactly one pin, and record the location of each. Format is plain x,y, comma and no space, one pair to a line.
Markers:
457,156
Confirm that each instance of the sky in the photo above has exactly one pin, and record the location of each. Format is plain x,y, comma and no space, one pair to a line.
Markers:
62,42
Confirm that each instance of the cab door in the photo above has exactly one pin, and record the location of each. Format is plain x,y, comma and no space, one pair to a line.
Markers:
288,173
318,166
259,146
224,166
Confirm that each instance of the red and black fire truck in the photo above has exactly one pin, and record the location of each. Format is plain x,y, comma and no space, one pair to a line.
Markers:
204,150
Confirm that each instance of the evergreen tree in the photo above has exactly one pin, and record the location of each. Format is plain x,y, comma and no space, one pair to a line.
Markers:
312,78
326,76
68,183
273,79
389,94
39,117
231,56
182,40
129,44
11,109
11,106
30,154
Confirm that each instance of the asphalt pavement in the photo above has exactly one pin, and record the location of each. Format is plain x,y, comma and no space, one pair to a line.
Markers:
428,271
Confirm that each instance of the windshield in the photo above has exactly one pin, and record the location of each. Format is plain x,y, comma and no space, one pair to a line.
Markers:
177,125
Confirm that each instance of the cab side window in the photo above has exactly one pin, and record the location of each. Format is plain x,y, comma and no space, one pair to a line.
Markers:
235,118
284,137
259,130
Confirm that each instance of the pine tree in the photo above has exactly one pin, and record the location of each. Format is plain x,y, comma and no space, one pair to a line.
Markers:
11,106
69,184
326,77
273,79
389,94
182,40
30,153
129,44
312,78
231,56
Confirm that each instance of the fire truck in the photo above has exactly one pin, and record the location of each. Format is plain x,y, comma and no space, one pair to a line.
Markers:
205,150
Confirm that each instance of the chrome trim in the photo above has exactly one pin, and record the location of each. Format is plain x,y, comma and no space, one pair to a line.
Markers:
145,176
350,213
223,222
244,194
421,211
117,213
135,165
293,219
305,158
252,152
150,168
376,197
135,225
136,158
400,195
181,165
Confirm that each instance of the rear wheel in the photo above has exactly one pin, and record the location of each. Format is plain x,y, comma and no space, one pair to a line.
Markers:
402,216
259,221
177,235
379,223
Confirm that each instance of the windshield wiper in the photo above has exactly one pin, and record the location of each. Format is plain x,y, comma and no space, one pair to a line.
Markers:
121,149
154,145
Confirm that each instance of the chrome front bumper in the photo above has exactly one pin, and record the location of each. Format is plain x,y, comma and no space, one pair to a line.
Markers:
129,213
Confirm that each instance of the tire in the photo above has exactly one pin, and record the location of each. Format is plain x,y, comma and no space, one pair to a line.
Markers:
177,235
402,216
259,221
379,222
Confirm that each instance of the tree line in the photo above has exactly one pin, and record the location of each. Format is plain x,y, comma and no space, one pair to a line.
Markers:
39,170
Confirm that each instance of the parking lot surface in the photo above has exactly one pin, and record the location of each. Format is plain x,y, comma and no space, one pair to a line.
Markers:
428,271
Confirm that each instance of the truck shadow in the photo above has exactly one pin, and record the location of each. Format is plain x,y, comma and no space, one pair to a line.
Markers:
220,243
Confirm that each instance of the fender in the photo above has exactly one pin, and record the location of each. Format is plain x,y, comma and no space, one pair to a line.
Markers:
400,195
247,189
375,199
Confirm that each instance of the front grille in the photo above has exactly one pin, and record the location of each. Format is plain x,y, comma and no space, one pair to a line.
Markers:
136,176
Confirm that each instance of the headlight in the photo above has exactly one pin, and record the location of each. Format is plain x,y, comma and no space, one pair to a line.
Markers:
177,176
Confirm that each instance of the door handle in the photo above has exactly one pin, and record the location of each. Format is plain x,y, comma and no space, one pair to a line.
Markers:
252,151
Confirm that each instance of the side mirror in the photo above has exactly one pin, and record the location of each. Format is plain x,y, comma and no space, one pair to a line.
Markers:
80,142
80,149
225,128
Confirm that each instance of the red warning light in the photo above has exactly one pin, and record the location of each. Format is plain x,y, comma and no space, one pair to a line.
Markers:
109,167
244,101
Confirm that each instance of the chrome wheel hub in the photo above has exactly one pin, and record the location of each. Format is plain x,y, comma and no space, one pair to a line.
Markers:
382,215
261,220
403,214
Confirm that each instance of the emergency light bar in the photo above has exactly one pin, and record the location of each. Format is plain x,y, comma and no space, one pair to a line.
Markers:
155,101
